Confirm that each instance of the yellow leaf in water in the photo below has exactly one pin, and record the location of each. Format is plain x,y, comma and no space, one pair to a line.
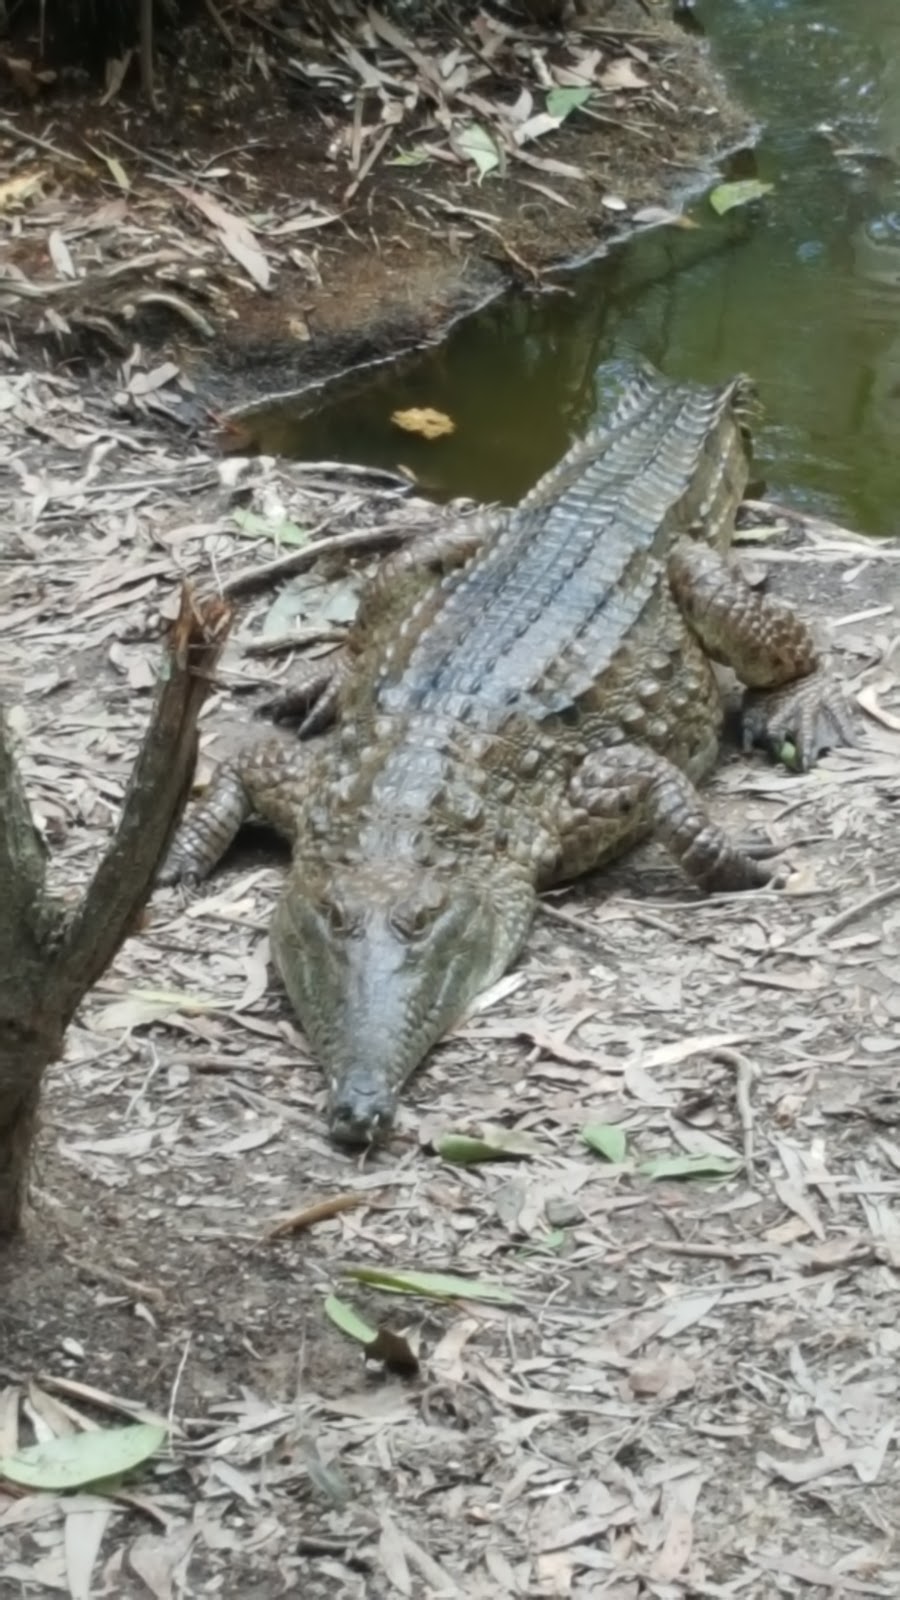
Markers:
425,420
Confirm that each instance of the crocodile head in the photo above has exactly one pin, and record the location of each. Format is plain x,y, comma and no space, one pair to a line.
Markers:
379,960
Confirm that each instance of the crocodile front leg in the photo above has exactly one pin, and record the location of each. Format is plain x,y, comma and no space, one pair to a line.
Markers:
772,651
269,779
312,692
623,794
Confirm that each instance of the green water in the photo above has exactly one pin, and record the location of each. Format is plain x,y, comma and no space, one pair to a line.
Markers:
804,293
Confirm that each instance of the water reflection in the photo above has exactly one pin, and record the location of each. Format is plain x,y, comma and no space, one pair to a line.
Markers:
805,295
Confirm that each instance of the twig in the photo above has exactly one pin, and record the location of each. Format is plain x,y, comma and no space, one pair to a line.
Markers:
220,23
252,578
744,1075
369,162
170,1418
12,132
322,1211
772,511
340,469
145,155
738,1251
273,644
118,1280
537,277
79,288
871,903
194,318
569,919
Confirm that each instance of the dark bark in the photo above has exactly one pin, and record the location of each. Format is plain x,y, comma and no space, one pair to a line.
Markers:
50,955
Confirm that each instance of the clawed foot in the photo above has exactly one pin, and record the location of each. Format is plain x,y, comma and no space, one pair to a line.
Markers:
176,868
190,856
311,697
764,854
810,716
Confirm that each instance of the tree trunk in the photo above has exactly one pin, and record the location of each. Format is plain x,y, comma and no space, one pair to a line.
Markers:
50,955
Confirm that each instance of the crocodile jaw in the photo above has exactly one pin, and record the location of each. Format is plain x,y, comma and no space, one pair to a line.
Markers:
380,960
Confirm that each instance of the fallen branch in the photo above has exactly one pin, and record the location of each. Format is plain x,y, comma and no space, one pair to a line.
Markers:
744,1073
385,537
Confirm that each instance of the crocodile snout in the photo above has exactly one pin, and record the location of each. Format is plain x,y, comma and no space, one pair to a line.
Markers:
361,1110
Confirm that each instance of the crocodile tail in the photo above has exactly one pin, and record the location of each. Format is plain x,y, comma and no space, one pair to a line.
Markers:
746,405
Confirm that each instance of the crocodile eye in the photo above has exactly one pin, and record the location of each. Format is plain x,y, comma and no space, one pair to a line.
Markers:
414,915
338,916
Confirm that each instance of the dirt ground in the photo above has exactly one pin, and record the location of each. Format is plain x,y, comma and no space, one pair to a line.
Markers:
658,1384
328,189
662,1386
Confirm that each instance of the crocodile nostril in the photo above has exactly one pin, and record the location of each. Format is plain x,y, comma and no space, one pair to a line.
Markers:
361,1114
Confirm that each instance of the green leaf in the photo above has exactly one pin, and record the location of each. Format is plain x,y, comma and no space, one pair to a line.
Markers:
492,1144
79,1459
608,1140
560,102
726,196
704,1166
409,158
544,1244
306,598
477,145
345,1318
255,527
433,1285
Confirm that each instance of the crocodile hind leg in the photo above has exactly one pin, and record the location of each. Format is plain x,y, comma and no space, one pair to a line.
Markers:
268,780
626,793
315,689
790,695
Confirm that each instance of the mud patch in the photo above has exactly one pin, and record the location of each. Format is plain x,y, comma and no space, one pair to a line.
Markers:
242,232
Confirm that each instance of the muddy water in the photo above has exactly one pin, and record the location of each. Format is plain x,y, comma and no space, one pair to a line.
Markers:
803,292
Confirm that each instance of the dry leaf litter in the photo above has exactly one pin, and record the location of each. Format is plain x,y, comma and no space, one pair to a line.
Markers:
329,172
664,1385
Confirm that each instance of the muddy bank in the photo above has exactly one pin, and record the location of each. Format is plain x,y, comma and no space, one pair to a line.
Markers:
374,190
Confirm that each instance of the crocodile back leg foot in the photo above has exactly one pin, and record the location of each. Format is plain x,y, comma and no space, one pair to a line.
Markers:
772,650
625,793
813,715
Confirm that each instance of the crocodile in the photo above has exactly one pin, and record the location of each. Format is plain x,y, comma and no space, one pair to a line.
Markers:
524,695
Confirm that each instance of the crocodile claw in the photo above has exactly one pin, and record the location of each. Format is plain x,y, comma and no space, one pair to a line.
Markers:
311,696
812,715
